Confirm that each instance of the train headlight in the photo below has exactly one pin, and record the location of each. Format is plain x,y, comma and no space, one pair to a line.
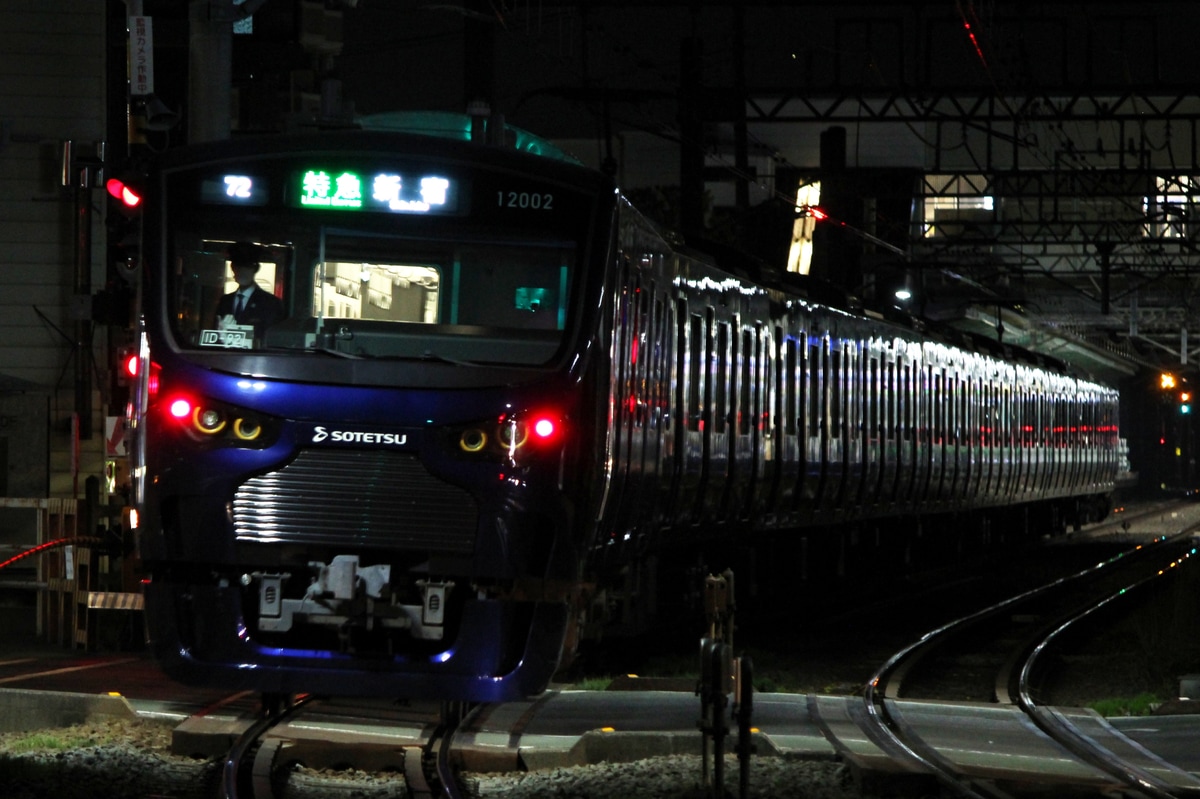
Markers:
508,436
220,423
513,434
208,421
245,430
472,440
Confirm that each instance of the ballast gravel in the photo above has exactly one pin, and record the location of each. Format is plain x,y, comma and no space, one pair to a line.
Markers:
132,760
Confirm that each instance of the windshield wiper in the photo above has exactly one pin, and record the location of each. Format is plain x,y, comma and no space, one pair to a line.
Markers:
334,352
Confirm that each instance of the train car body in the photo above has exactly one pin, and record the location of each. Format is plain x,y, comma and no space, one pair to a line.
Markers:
492,376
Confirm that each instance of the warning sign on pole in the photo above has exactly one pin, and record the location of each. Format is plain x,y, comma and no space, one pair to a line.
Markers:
141,57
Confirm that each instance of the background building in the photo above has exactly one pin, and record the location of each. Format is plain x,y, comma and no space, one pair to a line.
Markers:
1027,171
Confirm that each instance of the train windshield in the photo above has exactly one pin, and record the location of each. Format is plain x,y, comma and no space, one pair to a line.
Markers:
459,272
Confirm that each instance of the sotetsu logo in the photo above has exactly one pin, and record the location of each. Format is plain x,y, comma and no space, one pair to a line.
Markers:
321,434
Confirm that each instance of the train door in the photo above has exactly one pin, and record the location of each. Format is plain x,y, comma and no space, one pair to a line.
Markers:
741,456
1057,404
780,436
724,376
989,435
1077,446
1009,457
656,418
816,404
718,370
922,396
904,426
1067,438
1048,436
806,421
936,423
1025,452
955,473
872,423
968,440
694,394
639,373
759,420
787,450
675,426
833,439
816,388
851,427
641,488
621,383
1049,476
889,444
1088,438
970,425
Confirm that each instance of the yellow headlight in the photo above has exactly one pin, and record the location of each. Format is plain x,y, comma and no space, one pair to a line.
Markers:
472,440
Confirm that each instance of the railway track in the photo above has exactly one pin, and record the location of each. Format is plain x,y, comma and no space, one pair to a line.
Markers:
995,656
251,767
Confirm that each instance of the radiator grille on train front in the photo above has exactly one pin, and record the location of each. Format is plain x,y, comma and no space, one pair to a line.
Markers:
360,498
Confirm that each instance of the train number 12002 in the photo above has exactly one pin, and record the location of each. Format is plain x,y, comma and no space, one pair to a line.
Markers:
533,200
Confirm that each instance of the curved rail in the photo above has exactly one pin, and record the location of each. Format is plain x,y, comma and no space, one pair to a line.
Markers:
1066,733
445,771
884,685
231,773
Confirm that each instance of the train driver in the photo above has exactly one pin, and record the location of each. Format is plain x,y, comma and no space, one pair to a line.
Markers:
250,305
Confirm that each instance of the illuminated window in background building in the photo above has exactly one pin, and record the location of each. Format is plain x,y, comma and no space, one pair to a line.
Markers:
243,27
1167,213
800,253
954,204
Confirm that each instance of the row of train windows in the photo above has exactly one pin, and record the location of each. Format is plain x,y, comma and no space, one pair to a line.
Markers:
724,373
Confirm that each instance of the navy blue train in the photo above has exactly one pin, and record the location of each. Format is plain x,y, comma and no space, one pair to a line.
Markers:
491,375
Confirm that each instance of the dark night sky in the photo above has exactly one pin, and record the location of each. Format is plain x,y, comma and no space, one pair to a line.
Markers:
408,58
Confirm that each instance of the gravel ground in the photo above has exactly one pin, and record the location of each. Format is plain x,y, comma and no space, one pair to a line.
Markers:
120,759
132,760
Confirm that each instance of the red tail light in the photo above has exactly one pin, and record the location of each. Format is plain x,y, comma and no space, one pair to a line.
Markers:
180,408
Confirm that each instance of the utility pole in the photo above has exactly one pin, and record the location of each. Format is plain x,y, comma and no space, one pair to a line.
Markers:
210,69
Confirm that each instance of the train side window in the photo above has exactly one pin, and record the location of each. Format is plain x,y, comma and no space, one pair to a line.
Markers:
874,420
746,409
766,356
987,415
835,392
720,369
790,406
659,368
951,410
816,365
908,410
679,381
889,391
931,395
697,357
642,356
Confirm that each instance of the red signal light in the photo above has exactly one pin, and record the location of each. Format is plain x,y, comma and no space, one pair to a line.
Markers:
130,364
122,192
